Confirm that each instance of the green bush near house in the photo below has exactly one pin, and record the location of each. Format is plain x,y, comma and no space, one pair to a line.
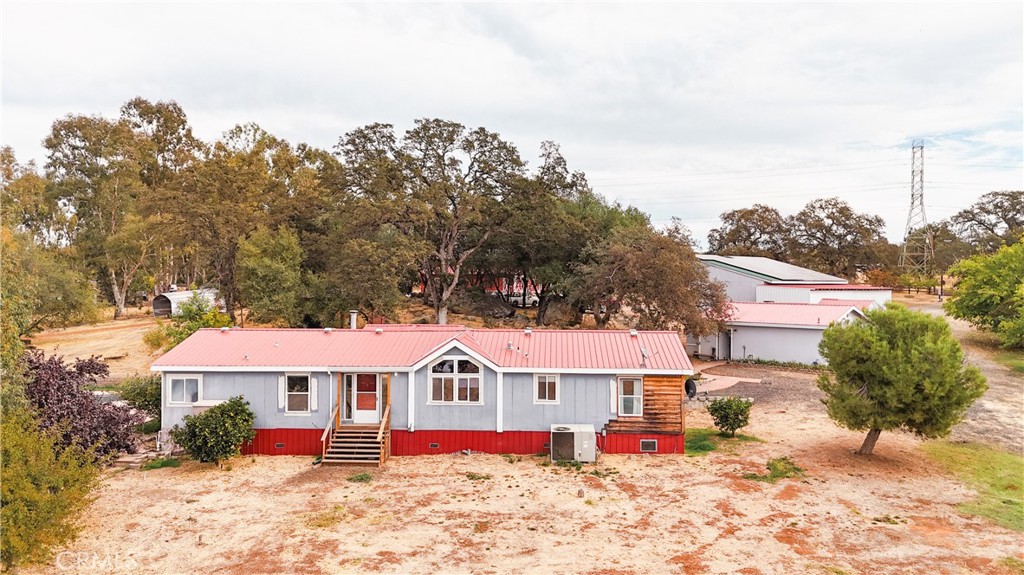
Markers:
218,433
730,414
143,393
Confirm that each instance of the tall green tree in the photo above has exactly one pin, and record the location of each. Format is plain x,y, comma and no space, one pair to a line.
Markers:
659,278
270,275
899,369
996,219
442,185
226,196
827,235
95,174
756,231
168,151
990,293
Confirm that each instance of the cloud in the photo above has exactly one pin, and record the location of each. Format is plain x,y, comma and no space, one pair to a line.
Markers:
682,109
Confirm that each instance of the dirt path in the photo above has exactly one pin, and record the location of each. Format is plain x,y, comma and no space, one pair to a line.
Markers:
998,417
118,342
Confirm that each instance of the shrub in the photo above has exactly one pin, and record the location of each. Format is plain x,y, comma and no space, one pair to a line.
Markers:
43,486
730,414
217,433
59,393
194,314
143,393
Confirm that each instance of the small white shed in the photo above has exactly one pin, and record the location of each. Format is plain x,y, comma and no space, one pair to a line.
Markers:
168,304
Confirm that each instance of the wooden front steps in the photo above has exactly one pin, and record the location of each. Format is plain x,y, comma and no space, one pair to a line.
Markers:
356,445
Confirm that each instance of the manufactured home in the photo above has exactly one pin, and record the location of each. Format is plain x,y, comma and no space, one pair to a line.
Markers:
361,395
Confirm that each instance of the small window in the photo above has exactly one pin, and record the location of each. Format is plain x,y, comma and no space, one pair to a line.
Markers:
546,389
648,446
184,389
631,396
298,394
455,381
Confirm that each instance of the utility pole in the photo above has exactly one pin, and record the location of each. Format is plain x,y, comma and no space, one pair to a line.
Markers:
918,251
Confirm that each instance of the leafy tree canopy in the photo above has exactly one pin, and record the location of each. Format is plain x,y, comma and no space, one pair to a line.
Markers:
990,293
44,483
59,393
995,220
678,294
270,275
899,369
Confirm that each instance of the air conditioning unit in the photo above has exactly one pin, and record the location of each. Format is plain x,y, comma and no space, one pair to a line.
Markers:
573,442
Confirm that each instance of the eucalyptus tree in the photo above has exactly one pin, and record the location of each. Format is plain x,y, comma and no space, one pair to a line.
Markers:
96,188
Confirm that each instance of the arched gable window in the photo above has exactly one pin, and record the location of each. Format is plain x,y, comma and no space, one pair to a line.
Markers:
456,380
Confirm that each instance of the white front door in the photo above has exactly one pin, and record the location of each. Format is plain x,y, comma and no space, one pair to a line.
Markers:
366,399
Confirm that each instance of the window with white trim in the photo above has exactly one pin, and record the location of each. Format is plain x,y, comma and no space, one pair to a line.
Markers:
184,388
631,396
545,389
455,380
297,393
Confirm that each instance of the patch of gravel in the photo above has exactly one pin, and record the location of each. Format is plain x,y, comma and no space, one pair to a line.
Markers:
770,387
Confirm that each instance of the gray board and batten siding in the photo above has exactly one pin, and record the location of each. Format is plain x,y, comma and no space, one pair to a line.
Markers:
260,389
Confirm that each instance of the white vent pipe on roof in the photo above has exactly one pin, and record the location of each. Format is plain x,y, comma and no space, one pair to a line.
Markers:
352,315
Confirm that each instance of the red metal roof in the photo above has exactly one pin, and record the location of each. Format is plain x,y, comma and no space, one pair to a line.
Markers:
796,314
837,287
403,346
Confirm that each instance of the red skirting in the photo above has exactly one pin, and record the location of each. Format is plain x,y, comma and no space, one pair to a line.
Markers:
630,442
426,442
422,442
285,442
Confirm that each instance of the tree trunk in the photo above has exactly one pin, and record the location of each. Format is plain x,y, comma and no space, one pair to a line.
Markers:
869,442
119,296
542,307
442,314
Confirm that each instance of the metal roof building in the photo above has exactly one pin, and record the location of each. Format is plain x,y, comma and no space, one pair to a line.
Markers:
168,304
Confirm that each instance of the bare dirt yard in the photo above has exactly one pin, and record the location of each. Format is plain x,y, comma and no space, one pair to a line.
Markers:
893,513
118,342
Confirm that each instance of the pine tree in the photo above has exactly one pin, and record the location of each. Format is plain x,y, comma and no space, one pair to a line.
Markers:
900,369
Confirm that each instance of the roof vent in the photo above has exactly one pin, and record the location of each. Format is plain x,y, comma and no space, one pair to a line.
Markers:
223,330
508,346
528,331
378,330
328,329
632,333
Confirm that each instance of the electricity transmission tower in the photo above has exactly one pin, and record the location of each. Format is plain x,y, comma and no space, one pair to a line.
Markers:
918,251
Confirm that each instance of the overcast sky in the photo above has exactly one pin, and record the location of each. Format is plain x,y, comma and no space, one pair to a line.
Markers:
683,110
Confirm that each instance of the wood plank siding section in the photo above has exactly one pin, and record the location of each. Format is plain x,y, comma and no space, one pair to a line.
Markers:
663,408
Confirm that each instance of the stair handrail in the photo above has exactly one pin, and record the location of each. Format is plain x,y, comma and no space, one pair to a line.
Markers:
327,431
384,421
